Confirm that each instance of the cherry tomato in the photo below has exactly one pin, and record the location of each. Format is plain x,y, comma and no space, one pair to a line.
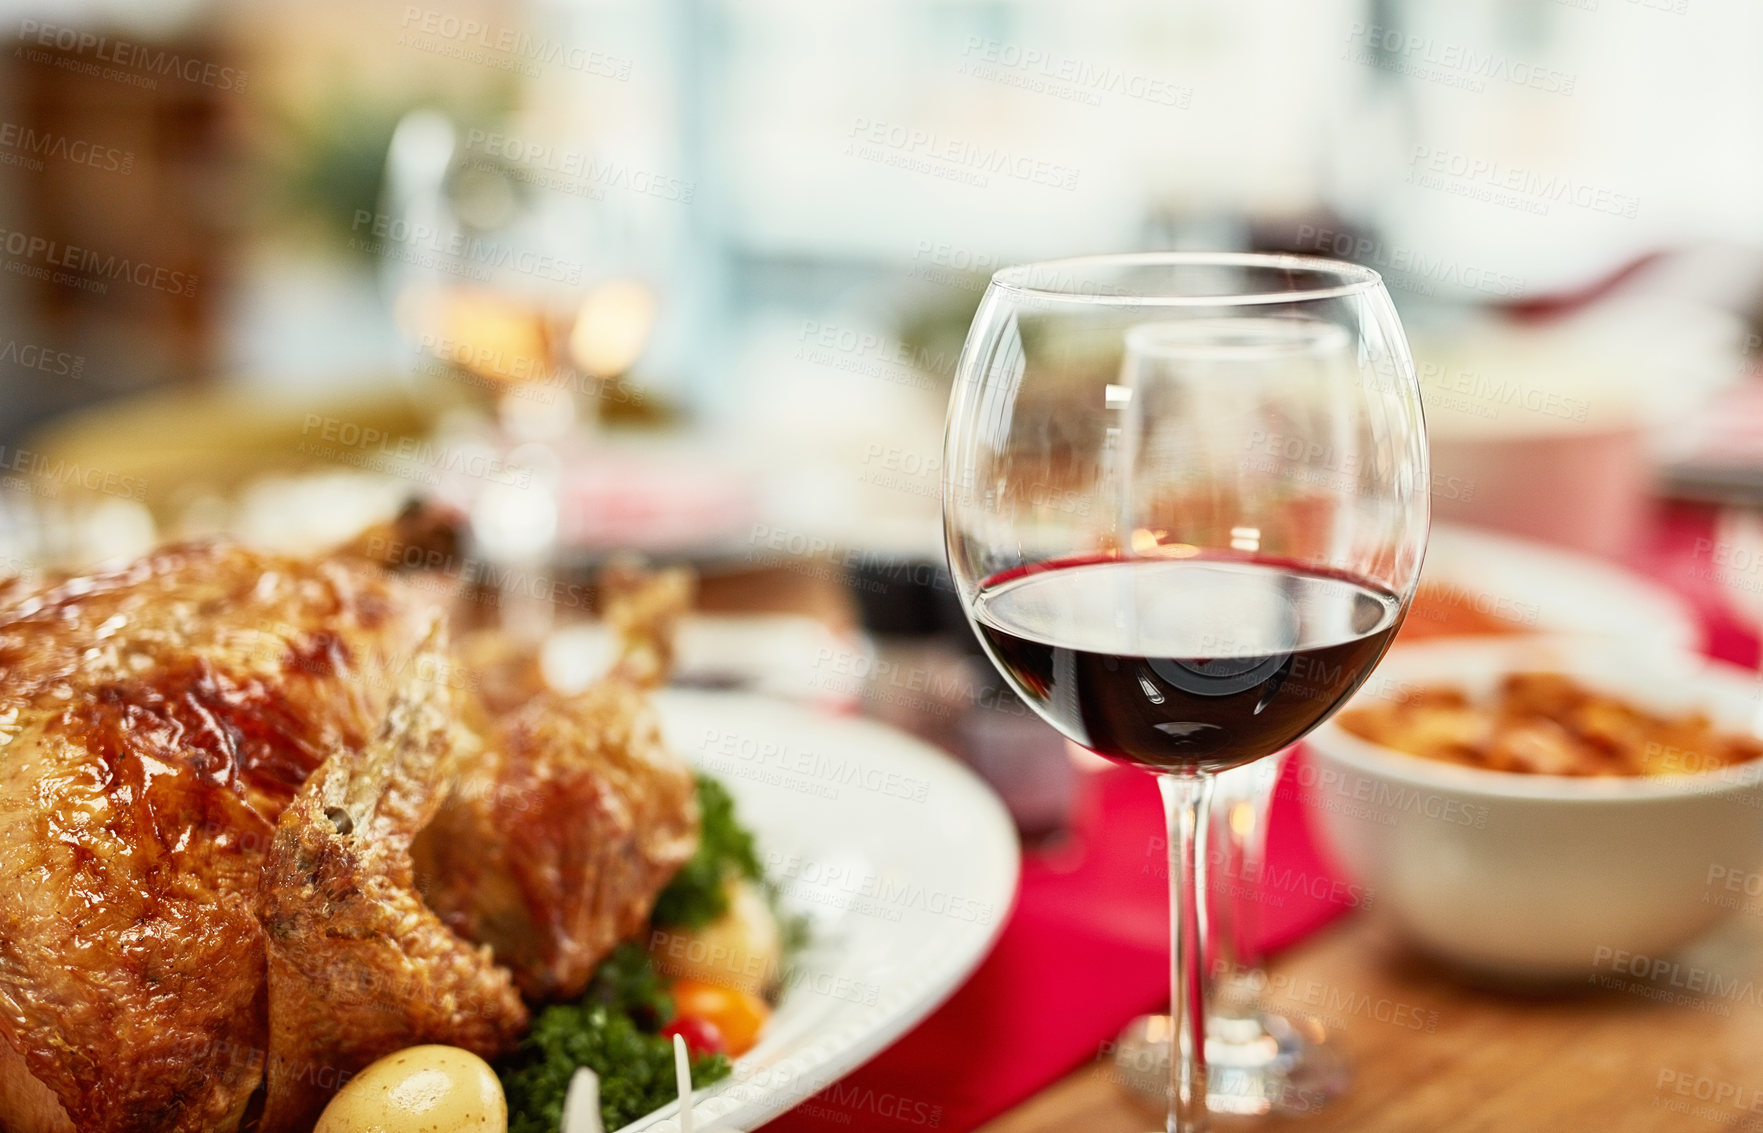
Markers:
701,1035
738,1016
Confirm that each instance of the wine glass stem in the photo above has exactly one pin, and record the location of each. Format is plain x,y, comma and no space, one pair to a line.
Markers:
1186,799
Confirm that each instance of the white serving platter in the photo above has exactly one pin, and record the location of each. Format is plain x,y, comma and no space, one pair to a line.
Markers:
905,861
1552,590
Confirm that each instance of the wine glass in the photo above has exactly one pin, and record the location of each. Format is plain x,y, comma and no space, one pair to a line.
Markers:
1185,502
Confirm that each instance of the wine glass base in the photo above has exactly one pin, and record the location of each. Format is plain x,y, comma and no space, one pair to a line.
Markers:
1259,1064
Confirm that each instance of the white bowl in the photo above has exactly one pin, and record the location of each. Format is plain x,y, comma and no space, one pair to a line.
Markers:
1541,876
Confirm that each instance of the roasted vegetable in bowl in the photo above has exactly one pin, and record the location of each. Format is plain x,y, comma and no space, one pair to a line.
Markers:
1549,724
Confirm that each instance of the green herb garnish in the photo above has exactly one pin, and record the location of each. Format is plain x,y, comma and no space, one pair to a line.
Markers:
614,1027
696,896
612,1030
626,982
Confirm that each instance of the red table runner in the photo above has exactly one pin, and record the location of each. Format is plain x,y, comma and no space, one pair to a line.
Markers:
1086,947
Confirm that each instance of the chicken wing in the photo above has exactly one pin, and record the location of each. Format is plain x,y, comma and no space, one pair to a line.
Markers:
359,967
554,844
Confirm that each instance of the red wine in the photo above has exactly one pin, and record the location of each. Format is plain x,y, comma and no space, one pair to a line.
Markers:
1184,664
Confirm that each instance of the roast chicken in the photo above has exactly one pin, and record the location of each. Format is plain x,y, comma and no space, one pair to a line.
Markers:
259,827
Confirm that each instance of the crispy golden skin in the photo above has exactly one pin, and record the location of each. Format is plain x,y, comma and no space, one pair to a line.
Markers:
156,721
359,967
153,723
554,844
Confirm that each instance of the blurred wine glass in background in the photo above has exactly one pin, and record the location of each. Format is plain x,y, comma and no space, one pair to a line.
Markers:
512,276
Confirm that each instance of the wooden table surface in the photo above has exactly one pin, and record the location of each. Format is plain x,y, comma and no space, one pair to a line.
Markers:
1433,1055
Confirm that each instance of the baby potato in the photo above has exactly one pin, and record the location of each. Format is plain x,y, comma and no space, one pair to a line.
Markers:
742,949
422,1089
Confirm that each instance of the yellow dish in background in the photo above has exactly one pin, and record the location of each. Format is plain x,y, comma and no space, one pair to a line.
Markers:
164,449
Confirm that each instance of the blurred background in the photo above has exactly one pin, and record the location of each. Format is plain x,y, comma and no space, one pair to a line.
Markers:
691,277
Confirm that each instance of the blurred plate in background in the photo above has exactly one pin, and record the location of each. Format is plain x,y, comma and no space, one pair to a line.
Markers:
1551,590
787,655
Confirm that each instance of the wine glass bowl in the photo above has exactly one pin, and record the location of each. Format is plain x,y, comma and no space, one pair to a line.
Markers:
1185,505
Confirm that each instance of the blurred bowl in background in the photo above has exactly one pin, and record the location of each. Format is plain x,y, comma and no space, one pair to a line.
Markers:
1550,431
1542,877
1585,488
